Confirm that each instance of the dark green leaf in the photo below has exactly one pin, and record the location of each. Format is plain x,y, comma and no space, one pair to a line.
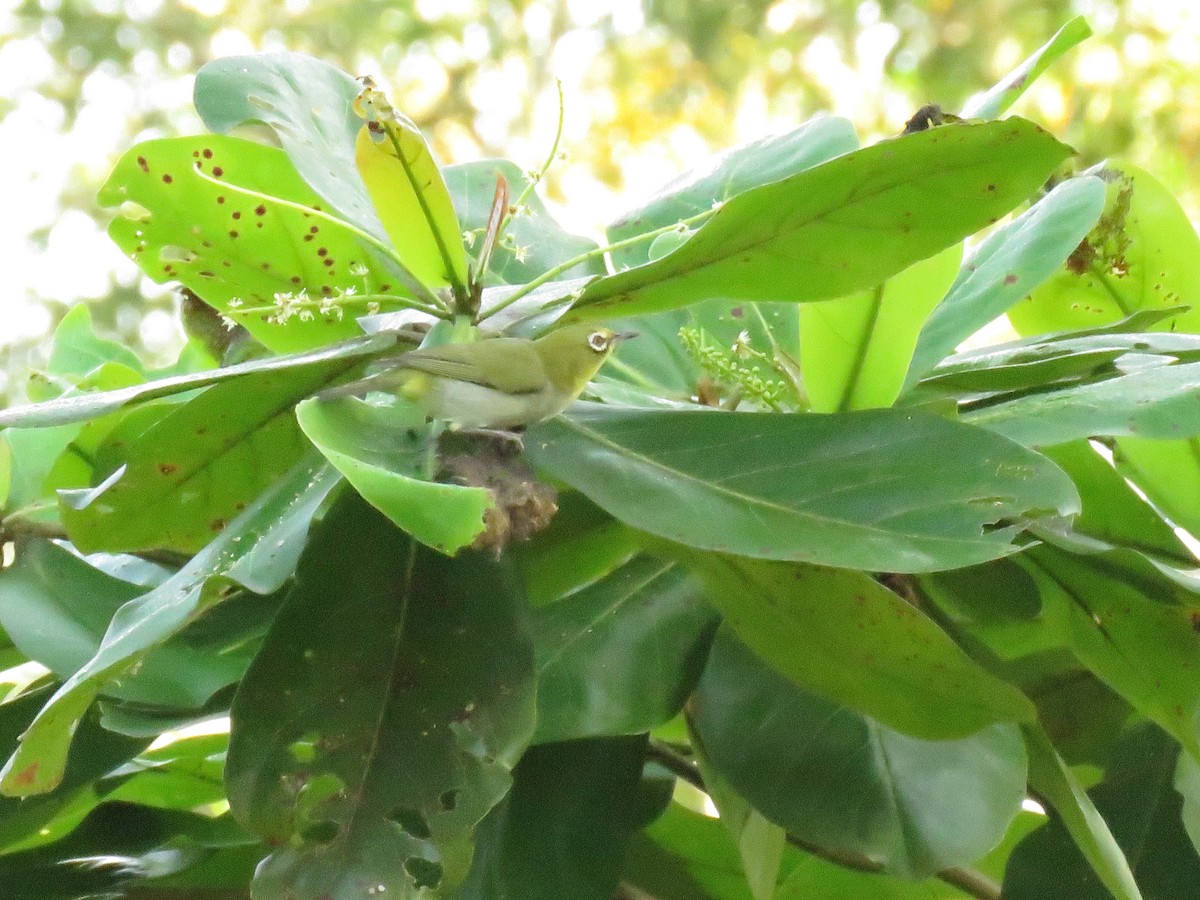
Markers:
733,172
800,239
1162,401
258,550
562,830
381,719
621,655
57,609
843,781
852,490
1138,803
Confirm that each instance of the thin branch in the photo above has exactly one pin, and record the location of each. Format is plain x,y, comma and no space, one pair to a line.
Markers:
971,881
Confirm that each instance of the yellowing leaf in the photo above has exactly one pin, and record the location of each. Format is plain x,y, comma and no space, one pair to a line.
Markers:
412,201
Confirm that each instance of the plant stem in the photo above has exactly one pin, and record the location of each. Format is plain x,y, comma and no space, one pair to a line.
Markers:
971,881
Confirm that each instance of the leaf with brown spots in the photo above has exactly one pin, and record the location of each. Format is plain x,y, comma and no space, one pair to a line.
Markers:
189,234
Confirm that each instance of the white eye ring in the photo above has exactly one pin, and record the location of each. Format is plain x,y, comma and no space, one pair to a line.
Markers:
598,341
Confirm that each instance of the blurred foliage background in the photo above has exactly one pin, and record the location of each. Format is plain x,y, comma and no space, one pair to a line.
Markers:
651,87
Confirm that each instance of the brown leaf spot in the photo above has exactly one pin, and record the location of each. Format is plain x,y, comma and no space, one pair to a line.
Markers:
233,234
28,774
218,171
142,164
237,214
167,468
217,525
260,210
167,179
322,251
1010,278
220,200
207,153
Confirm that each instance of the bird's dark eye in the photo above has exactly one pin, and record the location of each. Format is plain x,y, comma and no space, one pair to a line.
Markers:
599,341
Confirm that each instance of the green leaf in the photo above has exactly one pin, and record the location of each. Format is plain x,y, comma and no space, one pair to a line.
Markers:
1139,805
237,250
1055,782
581,545
383,452
731,173
205,461
844,782
842,635
28,822
1006,265
801,239
78,351
1143,254
1002,372
1112,511
854,351
686,856
81,407
258,551
1187,783
852,490
562,830
6,471
1162,401
1144,648
1005,93
412,201
622,655
309,105
1168,472
542,241
382,717
56,608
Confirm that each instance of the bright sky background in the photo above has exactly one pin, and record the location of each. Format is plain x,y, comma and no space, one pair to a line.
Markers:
42,157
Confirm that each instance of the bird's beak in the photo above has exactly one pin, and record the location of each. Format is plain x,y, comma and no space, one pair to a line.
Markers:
624,336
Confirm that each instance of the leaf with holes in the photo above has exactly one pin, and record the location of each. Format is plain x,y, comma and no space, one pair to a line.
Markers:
418,700
238,250
258,551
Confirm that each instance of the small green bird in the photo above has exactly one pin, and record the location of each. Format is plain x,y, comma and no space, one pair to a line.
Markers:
496,383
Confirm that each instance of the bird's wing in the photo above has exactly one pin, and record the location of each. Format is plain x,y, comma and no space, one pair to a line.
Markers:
513,365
